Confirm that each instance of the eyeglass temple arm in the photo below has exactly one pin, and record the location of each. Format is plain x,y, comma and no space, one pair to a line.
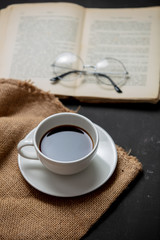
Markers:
55,79
111,81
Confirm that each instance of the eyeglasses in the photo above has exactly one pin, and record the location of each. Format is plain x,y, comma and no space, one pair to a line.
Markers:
109,72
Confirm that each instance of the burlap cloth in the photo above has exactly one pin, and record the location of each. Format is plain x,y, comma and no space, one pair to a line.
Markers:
26,213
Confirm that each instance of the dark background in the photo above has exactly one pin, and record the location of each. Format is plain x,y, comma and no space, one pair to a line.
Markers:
135,215
95,3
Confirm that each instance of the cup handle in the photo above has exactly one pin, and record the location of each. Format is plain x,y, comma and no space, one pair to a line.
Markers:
24,143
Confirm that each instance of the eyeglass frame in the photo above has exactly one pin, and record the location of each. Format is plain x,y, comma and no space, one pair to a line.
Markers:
85,72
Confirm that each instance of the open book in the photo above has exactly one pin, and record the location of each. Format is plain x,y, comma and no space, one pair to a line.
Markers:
33,35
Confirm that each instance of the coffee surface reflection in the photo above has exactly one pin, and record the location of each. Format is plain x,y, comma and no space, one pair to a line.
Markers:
66,143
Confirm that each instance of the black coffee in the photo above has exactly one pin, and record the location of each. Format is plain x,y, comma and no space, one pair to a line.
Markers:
66,143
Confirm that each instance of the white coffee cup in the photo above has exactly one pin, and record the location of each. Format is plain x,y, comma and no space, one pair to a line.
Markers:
64,167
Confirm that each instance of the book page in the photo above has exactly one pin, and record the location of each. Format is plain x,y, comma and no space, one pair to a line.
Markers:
130,35
35,35
4,18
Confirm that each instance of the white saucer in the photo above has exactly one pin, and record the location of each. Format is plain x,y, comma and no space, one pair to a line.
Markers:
98,172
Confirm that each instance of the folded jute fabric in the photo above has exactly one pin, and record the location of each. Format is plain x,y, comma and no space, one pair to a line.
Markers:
26,213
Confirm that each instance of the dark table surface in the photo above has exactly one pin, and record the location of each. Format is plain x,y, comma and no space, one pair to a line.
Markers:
135,215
